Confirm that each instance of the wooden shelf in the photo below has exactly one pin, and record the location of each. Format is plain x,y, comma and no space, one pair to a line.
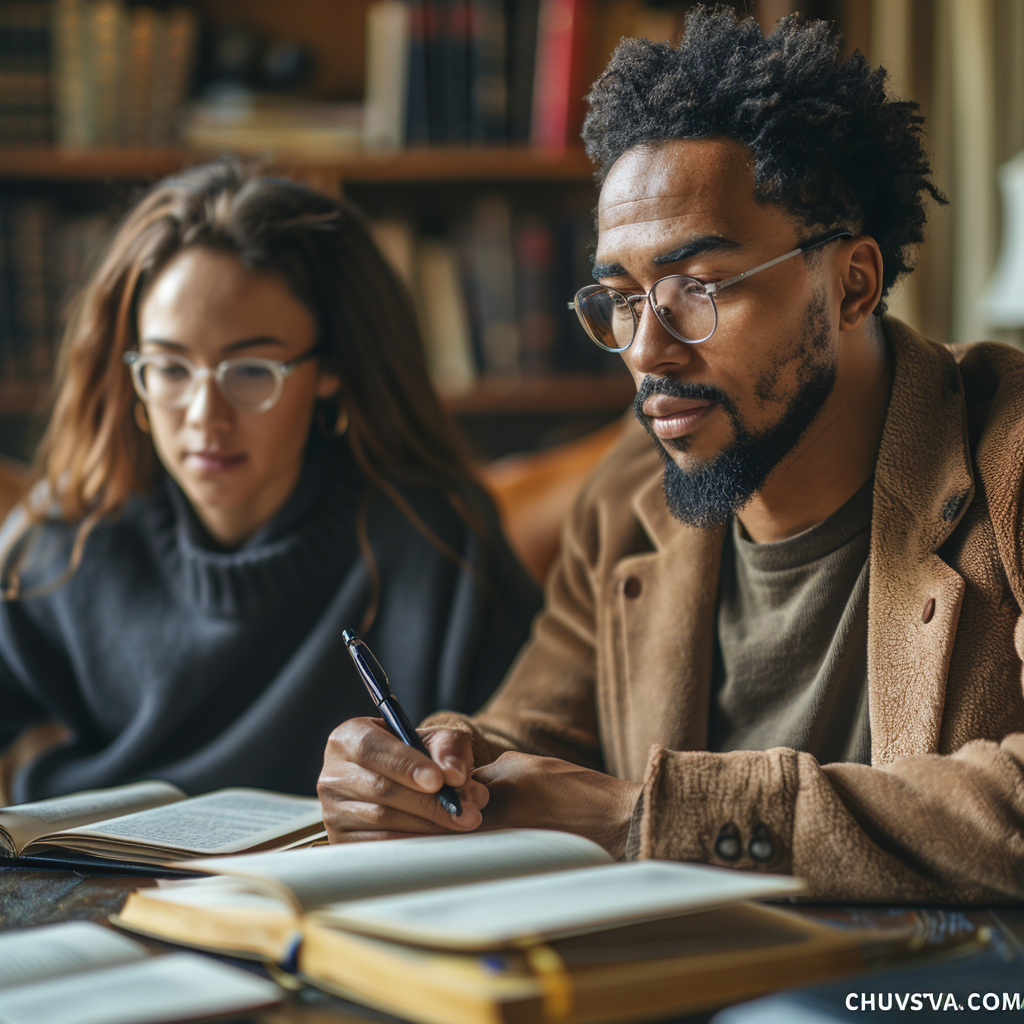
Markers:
502,395
498,163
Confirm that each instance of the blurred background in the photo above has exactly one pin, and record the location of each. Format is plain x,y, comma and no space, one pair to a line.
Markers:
454,124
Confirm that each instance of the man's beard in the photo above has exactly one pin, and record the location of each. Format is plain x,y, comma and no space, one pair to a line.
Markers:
713,492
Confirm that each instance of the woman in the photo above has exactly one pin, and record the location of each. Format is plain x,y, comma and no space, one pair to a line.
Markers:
245,458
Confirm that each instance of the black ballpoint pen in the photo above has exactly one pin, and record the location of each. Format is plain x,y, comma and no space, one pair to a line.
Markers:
391,711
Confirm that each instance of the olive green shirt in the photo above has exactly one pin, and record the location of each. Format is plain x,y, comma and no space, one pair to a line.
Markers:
790,665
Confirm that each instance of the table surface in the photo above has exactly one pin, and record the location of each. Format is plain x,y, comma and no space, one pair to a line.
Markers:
36,896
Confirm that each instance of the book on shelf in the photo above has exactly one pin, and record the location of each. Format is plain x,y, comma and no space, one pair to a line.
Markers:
534,247
488,85
560,73
120,73
445,318
417,107
79,971
480,71
25,74
491,277
155,823
494,304
522,52
501,926
260,124
387,71
43,256
30,229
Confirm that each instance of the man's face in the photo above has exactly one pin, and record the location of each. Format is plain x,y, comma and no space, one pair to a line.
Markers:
725,412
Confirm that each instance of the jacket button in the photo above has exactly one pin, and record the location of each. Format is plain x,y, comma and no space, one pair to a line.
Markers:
728,845
632,587
929,610
761,847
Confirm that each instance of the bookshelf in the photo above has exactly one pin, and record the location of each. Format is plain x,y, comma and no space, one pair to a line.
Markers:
437,189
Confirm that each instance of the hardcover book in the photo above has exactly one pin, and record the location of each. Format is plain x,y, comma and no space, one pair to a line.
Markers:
155,823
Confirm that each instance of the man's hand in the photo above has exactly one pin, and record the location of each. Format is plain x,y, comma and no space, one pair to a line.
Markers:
527,791
375,787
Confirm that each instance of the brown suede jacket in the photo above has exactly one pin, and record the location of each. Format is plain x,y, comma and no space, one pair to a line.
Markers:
617,674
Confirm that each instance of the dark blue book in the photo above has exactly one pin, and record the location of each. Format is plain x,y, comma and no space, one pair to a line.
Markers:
522,17
417,116
454,47
435,37
488,91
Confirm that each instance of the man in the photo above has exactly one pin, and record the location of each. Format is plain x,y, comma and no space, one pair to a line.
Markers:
788,635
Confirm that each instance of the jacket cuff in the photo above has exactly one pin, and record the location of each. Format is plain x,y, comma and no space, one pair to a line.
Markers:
482,752
733,810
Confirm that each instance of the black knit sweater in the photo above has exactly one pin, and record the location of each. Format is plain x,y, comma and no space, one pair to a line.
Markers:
170,658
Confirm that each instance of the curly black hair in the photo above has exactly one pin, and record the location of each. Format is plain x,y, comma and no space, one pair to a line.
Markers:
828,144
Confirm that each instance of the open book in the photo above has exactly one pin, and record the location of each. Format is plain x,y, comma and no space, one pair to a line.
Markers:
500,926
155,823
79,973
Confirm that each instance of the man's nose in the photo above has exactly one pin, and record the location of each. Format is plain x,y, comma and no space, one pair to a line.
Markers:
208,406
655,351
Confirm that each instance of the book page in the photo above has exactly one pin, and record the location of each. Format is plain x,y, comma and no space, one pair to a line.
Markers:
220,892
227,821
493,914
162,988
25,822
57,949
327,874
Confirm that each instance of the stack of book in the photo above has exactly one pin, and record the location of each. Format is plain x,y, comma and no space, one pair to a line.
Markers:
120,74
453,72
492,294
494,927
43,255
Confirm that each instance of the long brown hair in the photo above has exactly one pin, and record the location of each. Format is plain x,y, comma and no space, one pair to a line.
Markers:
93,455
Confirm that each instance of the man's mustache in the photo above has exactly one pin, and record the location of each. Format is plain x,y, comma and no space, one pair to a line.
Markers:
651,385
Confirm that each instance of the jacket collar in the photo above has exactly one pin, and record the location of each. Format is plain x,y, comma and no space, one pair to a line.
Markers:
923,486
923,477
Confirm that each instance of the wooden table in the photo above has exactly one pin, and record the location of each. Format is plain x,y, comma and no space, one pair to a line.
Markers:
34,896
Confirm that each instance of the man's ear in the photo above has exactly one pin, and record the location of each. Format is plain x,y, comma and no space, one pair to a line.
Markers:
861,280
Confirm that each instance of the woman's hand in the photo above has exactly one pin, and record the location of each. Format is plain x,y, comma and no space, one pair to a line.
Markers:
527,791
375,787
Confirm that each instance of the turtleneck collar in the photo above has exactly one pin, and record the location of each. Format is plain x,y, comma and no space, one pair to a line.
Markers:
313,533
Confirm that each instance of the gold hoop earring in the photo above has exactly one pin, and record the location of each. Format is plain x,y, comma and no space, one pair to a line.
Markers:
331,418
341,423
141,419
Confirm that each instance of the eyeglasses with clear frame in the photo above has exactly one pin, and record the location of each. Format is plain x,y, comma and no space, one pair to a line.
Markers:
684,306
249,384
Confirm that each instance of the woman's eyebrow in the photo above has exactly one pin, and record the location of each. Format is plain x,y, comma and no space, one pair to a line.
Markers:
263,339
164,343
235,346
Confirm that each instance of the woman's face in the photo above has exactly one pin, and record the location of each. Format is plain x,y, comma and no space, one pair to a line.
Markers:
237,468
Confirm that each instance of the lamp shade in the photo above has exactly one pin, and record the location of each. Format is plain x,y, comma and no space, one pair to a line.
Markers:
1002,302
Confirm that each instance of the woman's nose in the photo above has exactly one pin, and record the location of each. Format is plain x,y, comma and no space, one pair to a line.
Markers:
208,406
